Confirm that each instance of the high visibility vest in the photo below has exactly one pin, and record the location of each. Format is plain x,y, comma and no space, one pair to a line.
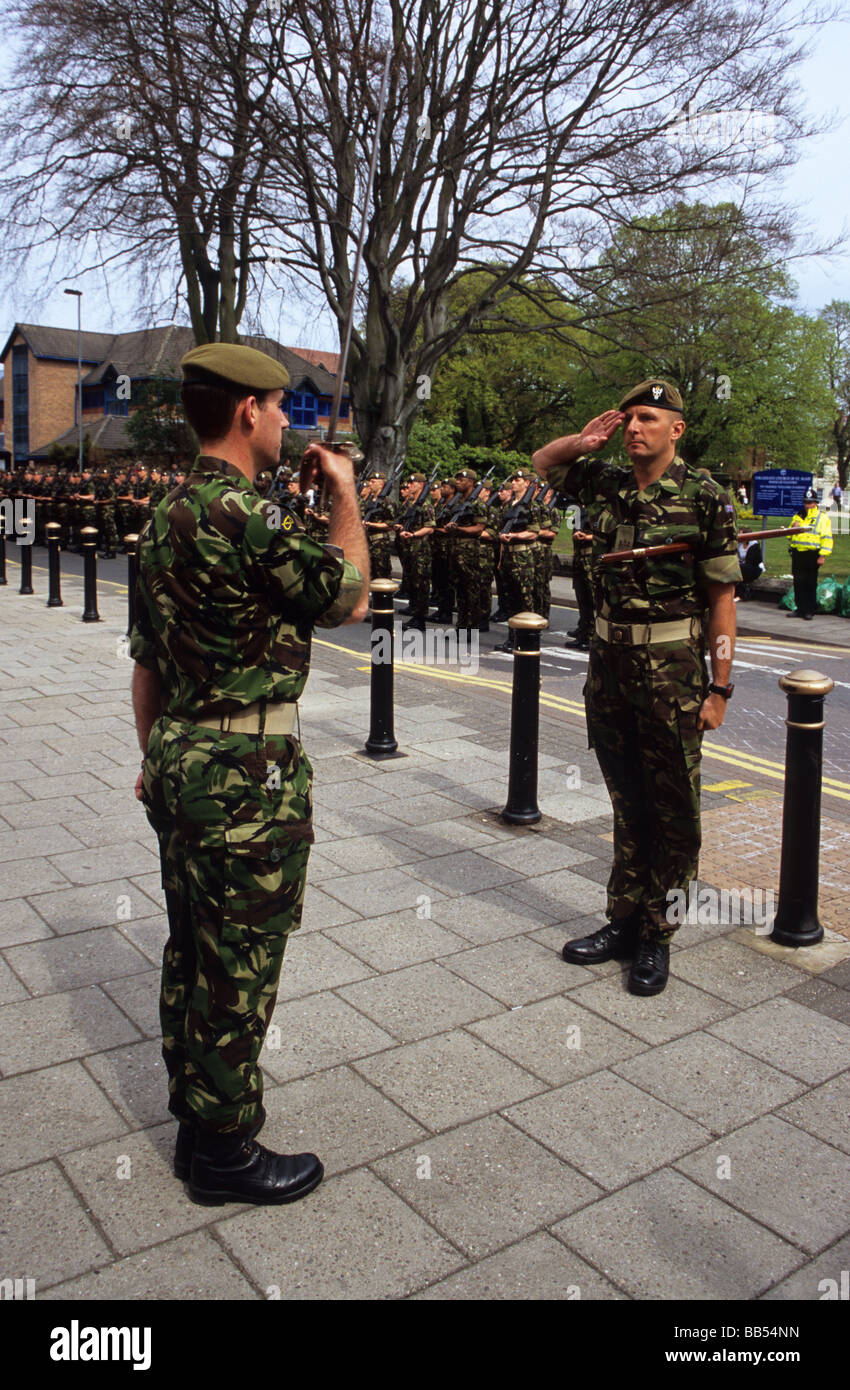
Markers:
819,538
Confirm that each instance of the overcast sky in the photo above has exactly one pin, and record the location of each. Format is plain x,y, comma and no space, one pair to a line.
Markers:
818,186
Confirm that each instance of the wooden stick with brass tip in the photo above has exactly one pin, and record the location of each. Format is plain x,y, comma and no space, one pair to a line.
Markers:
679,547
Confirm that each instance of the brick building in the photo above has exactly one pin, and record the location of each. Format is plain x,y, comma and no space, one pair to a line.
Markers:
39,396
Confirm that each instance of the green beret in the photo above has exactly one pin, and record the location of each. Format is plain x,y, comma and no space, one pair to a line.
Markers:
467,473
657,393
419,478
244,366
522,475
378,474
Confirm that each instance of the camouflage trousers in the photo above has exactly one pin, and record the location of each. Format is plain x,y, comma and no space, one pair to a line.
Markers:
517,569
380,556
415,557
442,576
543,566
467,577
488,554
642,705
232,813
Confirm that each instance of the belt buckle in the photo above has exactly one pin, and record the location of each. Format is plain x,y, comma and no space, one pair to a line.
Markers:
619,632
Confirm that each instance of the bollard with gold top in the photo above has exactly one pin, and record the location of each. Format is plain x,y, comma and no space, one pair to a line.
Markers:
88,536
130,547
796,922
522,808
53,532
381,742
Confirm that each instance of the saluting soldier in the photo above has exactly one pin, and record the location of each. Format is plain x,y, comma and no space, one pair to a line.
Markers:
226,603
648,697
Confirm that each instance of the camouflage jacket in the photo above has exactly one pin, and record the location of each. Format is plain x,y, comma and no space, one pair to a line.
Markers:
228,593
682,505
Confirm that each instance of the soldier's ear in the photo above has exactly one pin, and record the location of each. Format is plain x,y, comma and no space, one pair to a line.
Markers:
679,427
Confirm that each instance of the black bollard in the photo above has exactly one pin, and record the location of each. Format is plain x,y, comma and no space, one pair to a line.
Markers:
88,535
381,742
796,922
522,808
3,579
53,532
25,552
130,547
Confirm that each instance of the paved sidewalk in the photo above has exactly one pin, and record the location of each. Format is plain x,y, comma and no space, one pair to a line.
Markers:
494,1123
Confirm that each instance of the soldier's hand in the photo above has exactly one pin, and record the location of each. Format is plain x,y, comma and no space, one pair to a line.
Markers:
712,712
598,431
139,786
320,465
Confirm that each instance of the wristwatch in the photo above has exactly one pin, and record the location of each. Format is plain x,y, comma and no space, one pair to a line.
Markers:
724,690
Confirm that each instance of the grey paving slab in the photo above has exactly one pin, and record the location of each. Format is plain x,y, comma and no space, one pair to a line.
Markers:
607,1128
487,916
549,892
84,958
446,1080
128,1185
516,971
839,974
350,1239
666,1238
43,1113
107,801
46,1250
536,1268
426,808
135,1080
383,890
537,854
37,1033
367,852
337,1115
343,825
733,972
824,997
138,996
419,1001
433,841
348,795
11,987
56,811
104,865
42,788
781,1176
824,1112
11,769
96,905
557,1039
712,1082
151,885
464,872
314,963
20,922
97,832
485,1184
321,911
187,1268
315,1033
21,877
657,1019
395,940
118,777
148,935
790,1037
825,1279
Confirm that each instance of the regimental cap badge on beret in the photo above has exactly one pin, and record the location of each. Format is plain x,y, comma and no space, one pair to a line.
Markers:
244,366
656,392
417,478
522,475
378,474
467,473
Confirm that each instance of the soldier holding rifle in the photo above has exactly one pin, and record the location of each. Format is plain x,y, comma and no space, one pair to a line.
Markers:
648,696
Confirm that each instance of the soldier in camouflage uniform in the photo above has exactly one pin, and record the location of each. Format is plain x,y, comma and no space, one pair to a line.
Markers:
463,530
517,558
228,594
441,572
104,496
416,527
648,697
549,520
488,552
379,527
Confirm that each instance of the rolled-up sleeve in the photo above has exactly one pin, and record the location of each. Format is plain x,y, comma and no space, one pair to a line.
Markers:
717,557
310,580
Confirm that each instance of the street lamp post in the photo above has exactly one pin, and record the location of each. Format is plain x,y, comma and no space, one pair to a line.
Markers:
79,296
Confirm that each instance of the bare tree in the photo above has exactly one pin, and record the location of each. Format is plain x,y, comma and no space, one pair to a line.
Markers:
836,316
517,132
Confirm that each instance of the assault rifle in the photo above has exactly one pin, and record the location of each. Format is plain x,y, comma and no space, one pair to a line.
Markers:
516,517
411,513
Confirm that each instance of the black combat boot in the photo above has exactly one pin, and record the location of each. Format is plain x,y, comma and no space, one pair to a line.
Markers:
508,644
617,940
414,624
650,968
499,616
235,1168
484,626
183,1150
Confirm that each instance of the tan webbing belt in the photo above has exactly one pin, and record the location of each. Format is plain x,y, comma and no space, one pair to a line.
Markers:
644,634
281,718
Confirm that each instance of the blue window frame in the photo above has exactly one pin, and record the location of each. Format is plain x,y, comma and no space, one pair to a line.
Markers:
111,404
303,410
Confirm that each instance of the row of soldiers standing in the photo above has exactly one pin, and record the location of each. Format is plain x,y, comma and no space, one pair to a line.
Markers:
117,500
453,539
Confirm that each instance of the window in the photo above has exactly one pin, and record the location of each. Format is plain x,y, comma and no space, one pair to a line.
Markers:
112,405
20,403
303,410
